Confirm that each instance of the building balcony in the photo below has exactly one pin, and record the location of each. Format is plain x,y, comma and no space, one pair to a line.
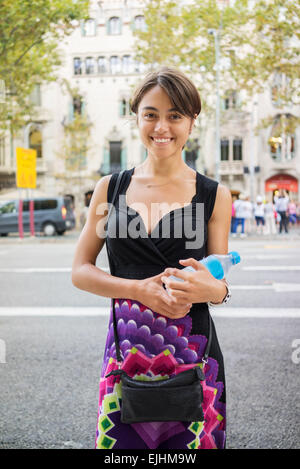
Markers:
231,167
282,164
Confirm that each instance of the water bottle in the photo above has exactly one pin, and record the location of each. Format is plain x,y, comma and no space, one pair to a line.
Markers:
217,264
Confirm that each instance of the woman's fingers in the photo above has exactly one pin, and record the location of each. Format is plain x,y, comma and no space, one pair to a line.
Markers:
175,307
176,298
180,296
177,273
173,284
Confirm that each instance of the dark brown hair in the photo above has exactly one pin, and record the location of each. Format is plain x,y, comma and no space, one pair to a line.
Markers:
183,94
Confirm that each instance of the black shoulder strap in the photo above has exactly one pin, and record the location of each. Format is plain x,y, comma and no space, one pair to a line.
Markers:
117,185
119,354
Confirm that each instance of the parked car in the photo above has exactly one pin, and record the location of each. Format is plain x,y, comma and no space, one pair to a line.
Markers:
51,215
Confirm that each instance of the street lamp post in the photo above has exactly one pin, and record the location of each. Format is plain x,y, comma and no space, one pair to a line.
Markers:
253,147
29,192
215,33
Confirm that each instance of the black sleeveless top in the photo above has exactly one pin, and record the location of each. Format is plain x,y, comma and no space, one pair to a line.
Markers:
134,254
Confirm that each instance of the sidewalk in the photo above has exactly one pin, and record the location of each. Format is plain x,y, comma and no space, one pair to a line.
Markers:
67,237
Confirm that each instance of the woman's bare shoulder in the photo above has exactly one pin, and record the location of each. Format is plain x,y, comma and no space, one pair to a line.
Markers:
100,191
223,193
103,183
223,203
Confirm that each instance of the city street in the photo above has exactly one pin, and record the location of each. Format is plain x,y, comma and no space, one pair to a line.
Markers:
52,337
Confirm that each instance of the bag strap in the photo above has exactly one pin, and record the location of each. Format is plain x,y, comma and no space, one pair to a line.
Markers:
116,189
119,354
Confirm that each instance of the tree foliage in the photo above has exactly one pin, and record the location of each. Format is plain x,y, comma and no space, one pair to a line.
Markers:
77,129
30,33
258,40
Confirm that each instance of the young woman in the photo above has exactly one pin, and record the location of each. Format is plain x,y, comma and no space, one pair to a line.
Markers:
159,332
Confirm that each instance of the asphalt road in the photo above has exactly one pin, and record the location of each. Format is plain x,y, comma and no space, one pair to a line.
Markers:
50,364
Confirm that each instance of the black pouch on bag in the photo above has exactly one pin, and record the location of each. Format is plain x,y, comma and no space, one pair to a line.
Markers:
174,399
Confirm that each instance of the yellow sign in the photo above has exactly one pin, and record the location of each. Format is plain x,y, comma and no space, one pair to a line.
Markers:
26,168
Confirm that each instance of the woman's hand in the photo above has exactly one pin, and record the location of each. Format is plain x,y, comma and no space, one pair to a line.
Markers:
198,287
150,292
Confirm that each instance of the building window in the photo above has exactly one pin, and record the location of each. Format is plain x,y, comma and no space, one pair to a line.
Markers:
139,23
115,65
35,95
237,150
114,26
282,138
230,101
224,150
2,151
115,150
123,107
35,140
102,65
89,65
139,67
77,66
89,27
127,64
275,148
290,144
77,105
280,88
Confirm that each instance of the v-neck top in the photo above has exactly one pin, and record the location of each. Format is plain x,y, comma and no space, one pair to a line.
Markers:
133,249
154,232
135,254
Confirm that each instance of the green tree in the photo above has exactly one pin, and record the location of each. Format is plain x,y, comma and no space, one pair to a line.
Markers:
178,34
77,131
30,33
273,52
258,41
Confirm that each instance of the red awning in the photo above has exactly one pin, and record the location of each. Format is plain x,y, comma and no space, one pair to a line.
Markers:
281,181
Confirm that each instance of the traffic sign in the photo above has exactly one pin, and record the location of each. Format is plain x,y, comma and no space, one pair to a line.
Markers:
26,168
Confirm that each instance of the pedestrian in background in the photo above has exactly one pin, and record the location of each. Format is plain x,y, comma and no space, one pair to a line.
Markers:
259,213
270,227
298,213
281,206
292,213
240,215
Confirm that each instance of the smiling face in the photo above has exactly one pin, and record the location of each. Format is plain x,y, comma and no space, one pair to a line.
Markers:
164,131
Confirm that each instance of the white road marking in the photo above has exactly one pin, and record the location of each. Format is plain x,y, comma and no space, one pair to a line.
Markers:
221,311
276,287
255,312
271,267
32,270
53,311
267,257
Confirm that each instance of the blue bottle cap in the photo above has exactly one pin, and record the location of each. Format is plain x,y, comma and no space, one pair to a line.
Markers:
236,258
